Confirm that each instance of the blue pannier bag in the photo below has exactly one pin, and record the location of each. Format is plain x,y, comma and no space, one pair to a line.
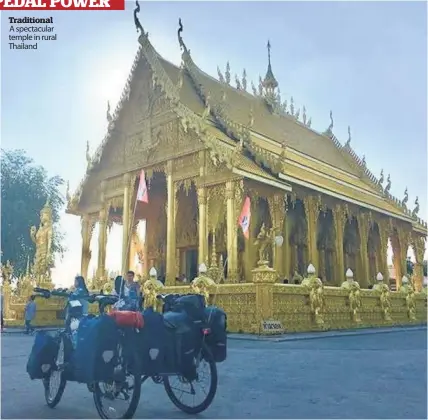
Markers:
95,356
216,319
153,345
42,356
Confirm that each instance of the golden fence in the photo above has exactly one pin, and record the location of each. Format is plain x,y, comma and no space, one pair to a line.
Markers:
248,305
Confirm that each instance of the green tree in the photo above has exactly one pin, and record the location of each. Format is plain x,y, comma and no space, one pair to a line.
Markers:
25,188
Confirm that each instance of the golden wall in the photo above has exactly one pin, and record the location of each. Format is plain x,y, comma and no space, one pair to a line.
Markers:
248,304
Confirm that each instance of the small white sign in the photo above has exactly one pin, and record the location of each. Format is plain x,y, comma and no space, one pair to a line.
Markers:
272,327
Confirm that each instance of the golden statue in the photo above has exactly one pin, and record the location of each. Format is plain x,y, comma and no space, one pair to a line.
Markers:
385,302
354,295
264,239
42,237
151,289
409,292
7,272
315,288
203,285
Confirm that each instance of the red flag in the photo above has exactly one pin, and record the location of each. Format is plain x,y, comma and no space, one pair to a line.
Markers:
245,217
142,194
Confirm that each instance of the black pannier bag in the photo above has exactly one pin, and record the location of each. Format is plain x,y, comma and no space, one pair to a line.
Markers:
217,340
187,341
95,356
192,305
156,348
42,356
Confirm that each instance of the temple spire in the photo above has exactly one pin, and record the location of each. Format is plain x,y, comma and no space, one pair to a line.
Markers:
269,83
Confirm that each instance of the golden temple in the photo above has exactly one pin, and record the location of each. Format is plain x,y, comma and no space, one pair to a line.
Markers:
205,145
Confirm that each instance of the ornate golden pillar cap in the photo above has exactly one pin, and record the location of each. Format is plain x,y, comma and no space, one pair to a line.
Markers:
379,276
404,280
153,272
349,274
311,270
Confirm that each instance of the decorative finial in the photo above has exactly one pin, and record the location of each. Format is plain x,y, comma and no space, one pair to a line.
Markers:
244,80
330,127
309,122
88,155
406,198
153,272
202,268
227,74
260,86
304,115
363,161
220,75
348,142
180,38
349,274
416,209
67,192
109,117
238,82
388,184
292,106
269,83
254,89
136,20
379,276
381,179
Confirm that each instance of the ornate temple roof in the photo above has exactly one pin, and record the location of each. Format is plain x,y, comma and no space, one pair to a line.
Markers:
279,139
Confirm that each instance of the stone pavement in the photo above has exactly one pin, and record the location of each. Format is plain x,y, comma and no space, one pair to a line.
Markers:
379,375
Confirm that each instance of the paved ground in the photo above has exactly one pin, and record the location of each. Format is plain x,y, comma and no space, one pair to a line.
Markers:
367,376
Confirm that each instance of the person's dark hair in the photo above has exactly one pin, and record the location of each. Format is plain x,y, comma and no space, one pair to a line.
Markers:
131,272
81,283
32,297
118,285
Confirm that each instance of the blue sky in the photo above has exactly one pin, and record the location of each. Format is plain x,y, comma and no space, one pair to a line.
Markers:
365,61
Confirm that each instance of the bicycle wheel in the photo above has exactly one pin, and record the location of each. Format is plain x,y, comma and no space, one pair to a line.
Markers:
55,383
107,393
189,387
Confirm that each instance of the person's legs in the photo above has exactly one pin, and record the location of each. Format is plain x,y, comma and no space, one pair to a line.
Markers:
2,321
27,326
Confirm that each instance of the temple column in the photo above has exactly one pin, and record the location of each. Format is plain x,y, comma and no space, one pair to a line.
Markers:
312,210
249,253
418,245
400,245
286,251
145,272
102,243
383,249
339,219
170,232
232,234
126,222
86,230
203,226
278,211
364,229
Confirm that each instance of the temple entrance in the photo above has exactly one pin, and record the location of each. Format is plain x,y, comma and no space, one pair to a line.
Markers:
191,260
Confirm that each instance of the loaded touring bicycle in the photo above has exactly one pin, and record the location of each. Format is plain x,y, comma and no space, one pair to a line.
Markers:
115,353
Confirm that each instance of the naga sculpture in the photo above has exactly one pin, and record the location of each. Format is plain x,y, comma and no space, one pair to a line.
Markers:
203,285
354,295
408,291
316,294
151,289
42,237
384,298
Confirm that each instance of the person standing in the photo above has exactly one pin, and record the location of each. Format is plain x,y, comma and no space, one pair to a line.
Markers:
30,314
81,290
